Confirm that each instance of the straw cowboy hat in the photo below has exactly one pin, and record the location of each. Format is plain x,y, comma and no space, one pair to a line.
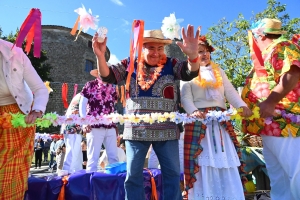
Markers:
272,26
155,36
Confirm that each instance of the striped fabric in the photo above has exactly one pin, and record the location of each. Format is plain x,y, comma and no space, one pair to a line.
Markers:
16,151
193,134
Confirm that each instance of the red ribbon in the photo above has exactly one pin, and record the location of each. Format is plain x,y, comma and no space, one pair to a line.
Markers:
31,28
256,56
64,94
135,45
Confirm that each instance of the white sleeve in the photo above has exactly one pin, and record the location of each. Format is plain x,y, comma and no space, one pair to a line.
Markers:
82,106
231,94
36,85
187,99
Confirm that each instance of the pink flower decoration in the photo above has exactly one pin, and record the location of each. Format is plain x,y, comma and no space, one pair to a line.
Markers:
87,20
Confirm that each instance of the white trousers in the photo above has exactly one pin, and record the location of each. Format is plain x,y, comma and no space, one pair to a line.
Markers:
283,164
73,157
94,142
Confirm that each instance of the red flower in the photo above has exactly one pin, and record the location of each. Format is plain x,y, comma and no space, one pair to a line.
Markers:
276,63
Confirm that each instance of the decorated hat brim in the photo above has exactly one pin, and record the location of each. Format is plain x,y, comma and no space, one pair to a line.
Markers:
275,32
156,40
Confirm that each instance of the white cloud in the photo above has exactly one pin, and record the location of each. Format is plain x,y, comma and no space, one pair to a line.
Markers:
118,2
113,59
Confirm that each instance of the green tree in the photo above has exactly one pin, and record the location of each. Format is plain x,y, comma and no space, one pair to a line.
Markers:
42,68
231,40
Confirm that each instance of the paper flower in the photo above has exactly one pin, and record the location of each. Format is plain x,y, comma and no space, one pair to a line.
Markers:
87,20
258,28
171,27
47,84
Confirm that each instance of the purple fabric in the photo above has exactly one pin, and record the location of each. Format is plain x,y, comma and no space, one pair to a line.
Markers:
78,186
86,185
107,186
101,99
111,187
40,188
37,189
53,188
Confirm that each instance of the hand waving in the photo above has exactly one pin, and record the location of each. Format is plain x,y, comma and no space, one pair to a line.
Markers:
189,45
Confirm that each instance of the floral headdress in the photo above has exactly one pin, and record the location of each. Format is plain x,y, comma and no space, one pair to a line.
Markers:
202,40
267,26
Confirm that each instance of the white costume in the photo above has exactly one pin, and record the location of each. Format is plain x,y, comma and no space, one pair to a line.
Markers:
218,177
73,157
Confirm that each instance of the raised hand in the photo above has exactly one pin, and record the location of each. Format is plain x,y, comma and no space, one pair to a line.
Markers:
99,48
189,44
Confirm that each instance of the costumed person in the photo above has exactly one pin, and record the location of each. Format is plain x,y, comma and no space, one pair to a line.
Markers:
18,82
273,85
47,143
152,90
84,154
38,152
98,98
52,150
60,156
72,137
210,150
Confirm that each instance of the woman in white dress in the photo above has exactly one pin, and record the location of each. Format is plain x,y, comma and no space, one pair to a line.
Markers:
210,151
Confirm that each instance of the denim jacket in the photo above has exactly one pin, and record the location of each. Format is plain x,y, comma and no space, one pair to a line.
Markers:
22,79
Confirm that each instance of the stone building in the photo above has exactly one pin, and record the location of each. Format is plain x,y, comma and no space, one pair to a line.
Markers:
71,62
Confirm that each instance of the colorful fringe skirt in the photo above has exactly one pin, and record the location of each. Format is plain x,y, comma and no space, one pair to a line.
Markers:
16,151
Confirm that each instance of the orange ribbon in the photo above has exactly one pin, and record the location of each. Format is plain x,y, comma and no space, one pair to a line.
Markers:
62,190
135,45
123,99
64,94
153,186
75,27
31,29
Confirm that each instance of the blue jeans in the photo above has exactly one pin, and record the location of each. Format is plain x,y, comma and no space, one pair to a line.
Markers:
51,159
168,155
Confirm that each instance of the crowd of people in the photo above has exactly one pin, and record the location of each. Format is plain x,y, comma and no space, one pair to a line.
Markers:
206,153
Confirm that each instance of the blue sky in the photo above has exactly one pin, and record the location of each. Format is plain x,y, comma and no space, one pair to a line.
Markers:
118,15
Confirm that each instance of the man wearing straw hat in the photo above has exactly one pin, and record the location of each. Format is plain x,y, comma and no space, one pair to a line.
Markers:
152,90
274,86
98,98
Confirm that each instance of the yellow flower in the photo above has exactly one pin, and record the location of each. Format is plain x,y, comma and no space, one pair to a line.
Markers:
285,131
167,115
161,118
210,84
47,84
151,121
